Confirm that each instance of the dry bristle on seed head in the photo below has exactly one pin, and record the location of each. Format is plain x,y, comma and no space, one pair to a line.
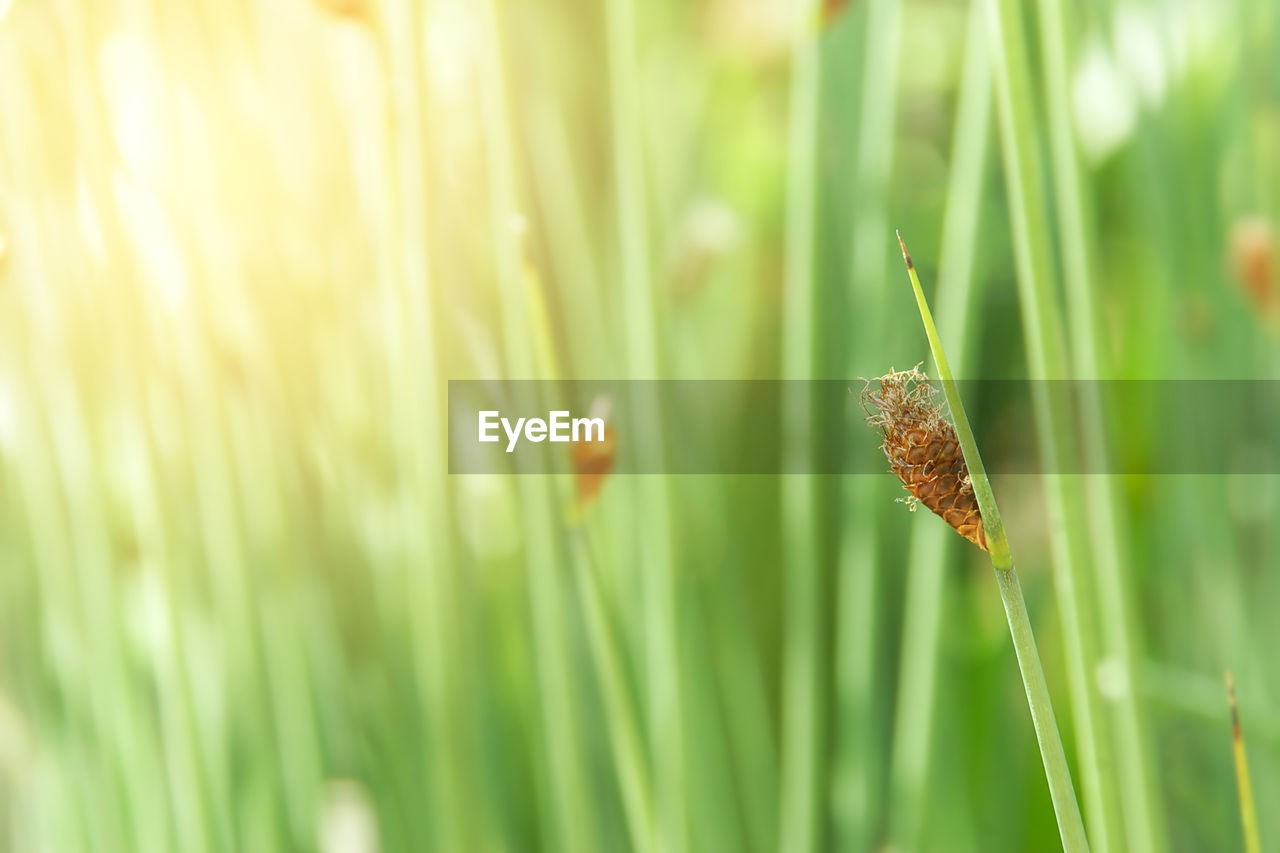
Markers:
922,448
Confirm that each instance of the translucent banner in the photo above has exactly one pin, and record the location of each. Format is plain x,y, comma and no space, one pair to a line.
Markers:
819,427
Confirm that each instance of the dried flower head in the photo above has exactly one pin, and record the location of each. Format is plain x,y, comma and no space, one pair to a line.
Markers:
923,450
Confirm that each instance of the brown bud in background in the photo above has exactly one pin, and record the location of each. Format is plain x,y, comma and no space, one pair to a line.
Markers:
356,10
832,9
1252,248
593,460
922,448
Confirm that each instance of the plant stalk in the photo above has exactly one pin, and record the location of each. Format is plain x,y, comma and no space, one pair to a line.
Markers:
643,348
1248,811
1065,501
801,767
1058,775
1135,800
927,575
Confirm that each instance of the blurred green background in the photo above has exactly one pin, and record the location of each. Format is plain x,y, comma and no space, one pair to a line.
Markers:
244,245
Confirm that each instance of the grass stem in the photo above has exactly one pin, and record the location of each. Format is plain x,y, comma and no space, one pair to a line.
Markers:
1045,354
1135,801
927,579
570,825
643,341
859,767
1248,812
1070,826
802,713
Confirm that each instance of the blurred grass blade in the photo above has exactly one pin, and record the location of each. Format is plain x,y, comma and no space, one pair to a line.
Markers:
803,718
860,728
411,323
624,727
570,825
1043,337
1248,812
927,580
657,563
1105,516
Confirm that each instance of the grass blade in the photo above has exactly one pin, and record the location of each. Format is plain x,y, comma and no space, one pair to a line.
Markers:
859,766
926,579
1248,812
643,361
1043,336
1056,771
802,713
1134,800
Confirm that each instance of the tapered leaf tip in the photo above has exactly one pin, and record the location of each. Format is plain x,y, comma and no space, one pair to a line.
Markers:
906,257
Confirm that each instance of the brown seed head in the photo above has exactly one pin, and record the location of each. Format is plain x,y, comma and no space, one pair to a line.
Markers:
922,448
1252,246
592,462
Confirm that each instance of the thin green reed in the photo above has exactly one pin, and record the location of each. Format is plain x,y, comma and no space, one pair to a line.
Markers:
569,825
858,776
1141,820
60,591
642,343
1244,783
414,330
70,540
571,239
625,734
1043,336
200,771
803,717
1057,774
911,758
96,729
601,622
1172,261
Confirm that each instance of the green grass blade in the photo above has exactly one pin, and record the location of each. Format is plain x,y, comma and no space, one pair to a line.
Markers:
802,715
570,821
860,728
412,329
1045,349
643,361
927,582
997,542
1244,786
1056,771
625,735
1135,800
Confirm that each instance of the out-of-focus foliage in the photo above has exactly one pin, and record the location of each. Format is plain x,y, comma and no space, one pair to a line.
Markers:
244,246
